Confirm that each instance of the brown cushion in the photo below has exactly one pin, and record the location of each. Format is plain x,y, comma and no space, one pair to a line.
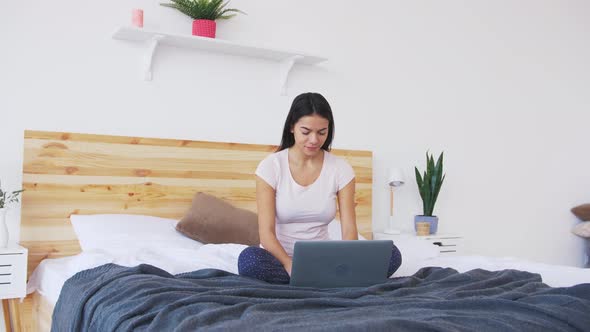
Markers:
582,212
212,220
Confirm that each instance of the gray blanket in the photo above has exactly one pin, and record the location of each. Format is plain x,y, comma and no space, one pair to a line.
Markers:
112,297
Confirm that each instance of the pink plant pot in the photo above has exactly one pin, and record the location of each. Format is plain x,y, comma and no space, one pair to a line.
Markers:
137,17
204,28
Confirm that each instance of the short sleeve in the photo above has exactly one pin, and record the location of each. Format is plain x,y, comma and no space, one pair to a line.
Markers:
268,170
345,173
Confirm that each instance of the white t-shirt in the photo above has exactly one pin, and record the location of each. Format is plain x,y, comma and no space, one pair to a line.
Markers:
303,213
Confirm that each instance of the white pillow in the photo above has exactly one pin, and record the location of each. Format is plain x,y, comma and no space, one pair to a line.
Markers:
582,229
125,232
335,231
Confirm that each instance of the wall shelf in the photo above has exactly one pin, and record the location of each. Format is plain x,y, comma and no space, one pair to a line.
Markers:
286,59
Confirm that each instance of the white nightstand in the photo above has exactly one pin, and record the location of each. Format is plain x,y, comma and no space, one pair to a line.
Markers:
447,244
13,272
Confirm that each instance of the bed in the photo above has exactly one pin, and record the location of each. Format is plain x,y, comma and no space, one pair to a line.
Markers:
68,174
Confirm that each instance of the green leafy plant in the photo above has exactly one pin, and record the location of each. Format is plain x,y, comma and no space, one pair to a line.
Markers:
7,198
204,9
429,184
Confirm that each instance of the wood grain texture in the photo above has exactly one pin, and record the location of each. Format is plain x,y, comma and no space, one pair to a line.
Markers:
21,314
33,314
6,313
69,173
43,309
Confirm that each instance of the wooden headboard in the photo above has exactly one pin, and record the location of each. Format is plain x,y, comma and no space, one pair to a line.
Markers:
67,173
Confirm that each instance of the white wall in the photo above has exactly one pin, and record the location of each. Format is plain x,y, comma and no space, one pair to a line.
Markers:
501,86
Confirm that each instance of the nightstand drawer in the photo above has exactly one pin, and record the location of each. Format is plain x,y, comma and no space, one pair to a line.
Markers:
7,288
447,245
6,268
6,278
10,259
13,272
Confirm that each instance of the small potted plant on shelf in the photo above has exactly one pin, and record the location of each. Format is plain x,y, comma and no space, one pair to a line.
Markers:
429,186
204,13
5,199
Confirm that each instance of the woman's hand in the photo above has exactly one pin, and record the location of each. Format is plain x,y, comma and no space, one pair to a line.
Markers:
288,267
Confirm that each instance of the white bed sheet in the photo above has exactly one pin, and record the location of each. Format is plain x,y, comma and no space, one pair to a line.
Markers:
49,277
552,275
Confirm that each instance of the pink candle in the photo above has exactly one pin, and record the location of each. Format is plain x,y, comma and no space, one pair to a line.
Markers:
137,17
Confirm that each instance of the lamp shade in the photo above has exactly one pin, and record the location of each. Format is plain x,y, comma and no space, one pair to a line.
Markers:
396,177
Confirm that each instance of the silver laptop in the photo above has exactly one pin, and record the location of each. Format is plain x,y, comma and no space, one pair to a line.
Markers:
326,264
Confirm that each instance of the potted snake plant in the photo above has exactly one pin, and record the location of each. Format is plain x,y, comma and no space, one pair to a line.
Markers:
204,13
429,186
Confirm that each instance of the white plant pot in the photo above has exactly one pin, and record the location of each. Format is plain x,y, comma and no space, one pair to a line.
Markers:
3,228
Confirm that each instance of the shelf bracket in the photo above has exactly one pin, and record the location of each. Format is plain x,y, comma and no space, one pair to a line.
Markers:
286,66
150,56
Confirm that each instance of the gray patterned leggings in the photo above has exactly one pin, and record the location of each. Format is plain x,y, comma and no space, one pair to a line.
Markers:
256,262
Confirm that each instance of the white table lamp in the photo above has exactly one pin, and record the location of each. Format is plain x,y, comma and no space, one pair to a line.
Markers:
395,179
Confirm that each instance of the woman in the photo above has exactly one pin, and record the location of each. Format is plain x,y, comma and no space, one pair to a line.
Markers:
296,192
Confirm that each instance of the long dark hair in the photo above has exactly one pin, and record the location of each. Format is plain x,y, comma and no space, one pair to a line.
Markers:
305,104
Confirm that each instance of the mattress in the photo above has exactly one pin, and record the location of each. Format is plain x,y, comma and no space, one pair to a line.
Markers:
50,275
